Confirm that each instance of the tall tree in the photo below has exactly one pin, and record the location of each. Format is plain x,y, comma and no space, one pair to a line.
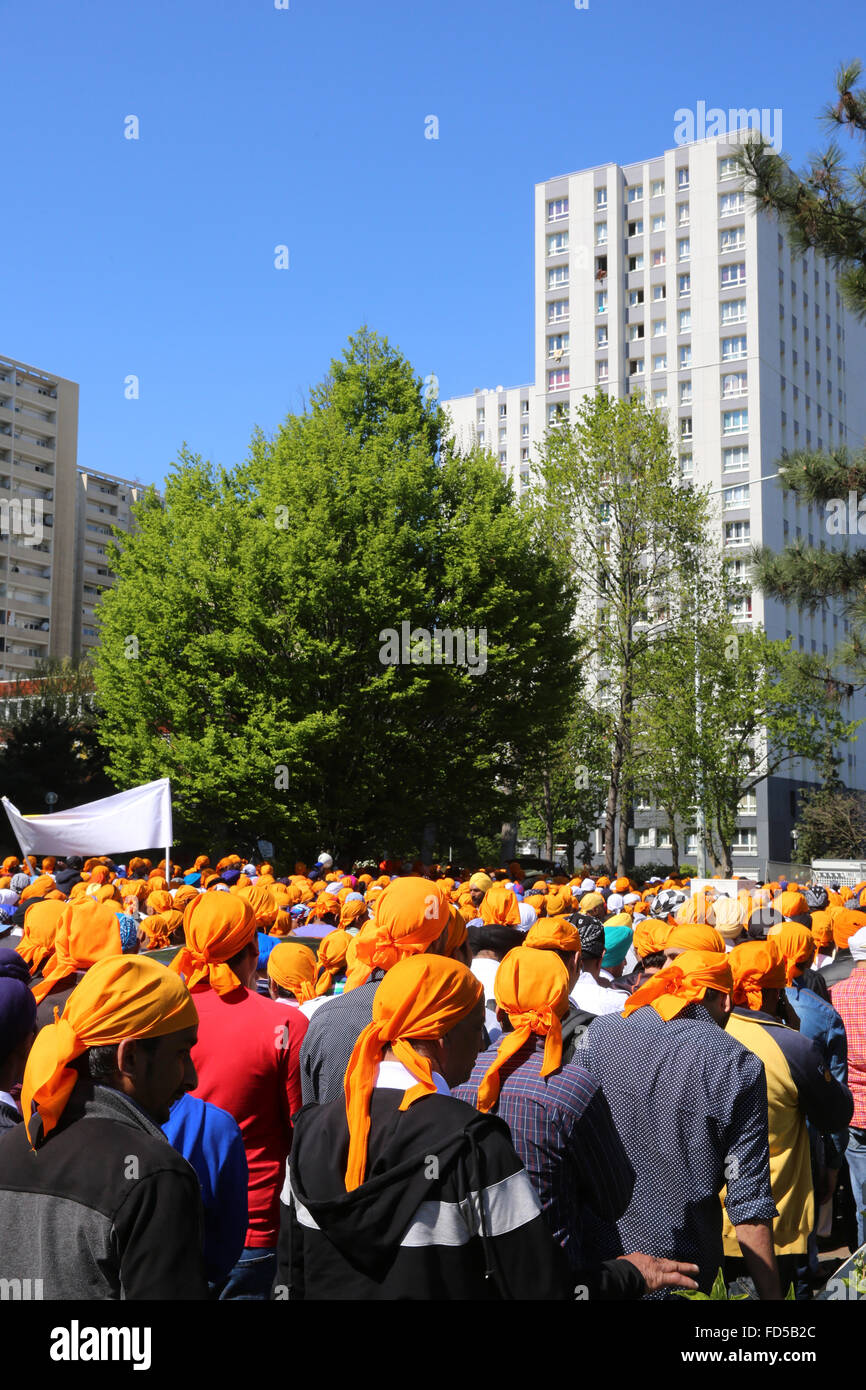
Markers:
824,208
562,787
271,674
613,502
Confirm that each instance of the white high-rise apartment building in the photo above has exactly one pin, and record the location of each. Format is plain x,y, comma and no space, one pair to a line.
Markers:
659,277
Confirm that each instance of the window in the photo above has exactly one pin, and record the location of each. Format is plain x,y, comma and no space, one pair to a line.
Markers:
684,249
657,188
731,203
503,434
660,398
557,342
658,257
728,168
659,292
683,215
745,841
732,239
557,309
557,243
664,839
735,421
601,336
685,393
686,427
684,320
646,838
558,379
733,311
635,367
503,411
601,234
660,362
733,348
660,328
524,431
734,384
503,457
741,607
635,262
733,274
683,177
557,276
635,297
748,805
557,208
735,496
635,332
601,302
737,533
735,458
635,192
601,197
557,413
685,356
601,371
658,222
635,228
524,455
684,283
687,465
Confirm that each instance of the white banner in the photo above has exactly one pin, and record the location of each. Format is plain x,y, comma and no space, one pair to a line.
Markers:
137,819
725,887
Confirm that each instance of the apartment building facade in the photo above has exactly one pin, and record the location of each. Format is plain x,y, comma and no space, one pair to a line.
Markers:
660,278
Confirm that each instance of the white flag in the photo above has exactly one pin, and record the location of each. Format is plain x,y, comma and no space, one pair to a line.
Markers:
137,819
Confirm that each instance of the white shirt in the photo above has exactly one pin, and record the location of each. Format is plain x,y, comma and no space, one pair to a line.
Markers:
393,1076
484,969
593,998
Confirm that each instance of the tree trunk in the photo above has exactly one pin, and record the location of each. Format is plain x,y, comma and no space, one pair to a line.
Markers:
548,819
508,842
624,857
428,842
612,804
675,844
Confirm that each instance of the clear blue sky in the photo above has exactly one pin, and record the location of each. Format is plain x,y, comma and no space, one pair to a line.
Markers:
305,127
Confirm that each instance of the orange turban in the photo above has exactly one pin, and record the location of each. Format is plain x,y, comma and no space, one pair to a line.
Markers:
457,933
685,981
822,929
156,881
38,888
532,988
422,996
326,905
351,912
411,913
499,907
261,900
695,936
331,959
121,997
161,901
696,910
10,864
756,966
796,945
40,928
293,966
845,922
559,902
791,904
650,937
553,934
217,926
183,896
160,928
622,885
100,874
86,931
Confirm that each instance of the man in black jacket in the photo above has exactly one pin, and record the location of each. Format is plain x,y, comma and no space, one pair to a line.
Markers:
94,1201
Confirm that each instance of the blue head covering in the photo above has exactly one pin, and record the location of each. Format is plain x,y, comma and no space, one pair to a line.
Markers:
17,1005
128,932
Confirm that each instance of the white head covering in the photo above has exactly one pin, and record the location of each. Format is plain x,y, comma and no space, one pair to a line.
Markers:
857,944
588,885
615,902
528,916
632,898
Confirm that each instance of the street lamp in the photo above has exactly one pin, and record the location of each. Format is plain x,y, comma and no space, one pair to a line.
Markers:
51,800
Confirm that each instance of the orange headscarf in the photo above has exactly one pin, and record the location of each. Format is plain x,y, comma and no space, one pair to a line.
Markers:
293,966
696,910
422,996
756,966
261,900
559,902
846,921
499,907
685,981
38,888
457,933
40,928
217,926
411,913
183,896
797,946
532,988
332,958
822,929
159,929
352,912
650,937
791,904
553,934
695,936
86,932
121,997
161,901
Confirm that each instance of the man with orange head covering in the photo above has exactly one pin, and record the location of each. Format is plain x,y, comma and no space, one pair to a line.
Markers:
360,1221
247,1059
559,1121
684,1096
411,917
105,1209
846,921
86,932
799,1088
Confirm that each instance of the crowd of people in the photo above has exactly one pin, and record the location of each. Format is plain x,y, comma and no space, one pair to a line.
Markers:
410,1081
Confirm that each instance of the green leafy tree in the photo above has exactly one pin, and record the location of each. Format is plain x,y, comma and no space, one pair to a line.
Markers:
613,503
562,791
269,675
823,207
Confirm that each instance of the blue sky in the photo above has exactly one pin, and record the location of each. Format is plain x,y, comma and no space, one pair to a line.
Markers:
304,127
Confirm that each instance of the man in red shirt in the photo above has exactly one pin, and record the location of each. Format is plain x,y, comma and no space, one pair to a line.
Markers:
848,997
248,1063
